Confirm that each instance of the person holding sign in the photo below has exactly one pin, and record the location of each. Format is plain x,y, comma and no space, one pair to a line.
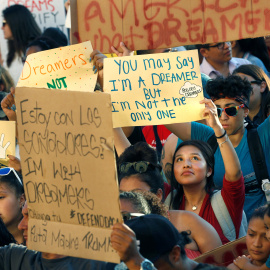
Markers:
231,96
193,170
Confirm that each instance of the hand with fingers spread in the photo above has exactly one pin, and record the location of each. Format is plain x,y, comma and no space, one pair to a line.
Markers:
123,240
3,149
125,50
97,58
6,104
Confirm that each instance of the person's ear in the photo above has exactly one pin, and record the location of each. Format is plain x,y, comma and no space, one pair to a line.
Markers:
246,112
209,172
22,200
160,194
175,255
233,43
204,52
263,86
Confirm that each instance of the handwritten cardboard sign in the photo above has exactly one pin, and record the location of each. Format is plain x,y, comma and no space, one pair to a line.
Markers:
162,23
154,89
67,157
7,141
65,68
224,255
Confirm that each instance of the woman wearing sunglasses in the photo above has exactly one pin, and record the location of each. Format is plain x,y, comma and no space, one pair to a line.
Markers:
228,93
12,200
19,28
260,87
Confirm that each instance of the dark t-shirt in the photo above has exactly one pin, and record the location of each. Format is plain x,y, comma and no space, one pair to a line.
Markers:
17,257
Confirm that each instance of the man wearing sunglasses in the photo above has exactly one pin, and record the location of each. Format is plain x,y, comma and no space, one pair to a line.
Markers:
218,60
231,97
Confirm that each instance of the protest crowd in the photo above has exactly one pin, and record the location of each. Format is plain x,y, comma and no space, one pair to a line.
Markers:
144,188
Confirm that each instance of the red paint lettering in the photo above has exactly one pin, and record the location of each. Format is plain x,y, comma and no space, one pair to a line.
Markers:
191,24
210,30
231,25
96,13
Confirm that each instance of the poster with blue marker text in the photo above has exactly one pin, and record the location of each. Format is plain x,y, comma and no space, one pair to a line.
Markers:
154,89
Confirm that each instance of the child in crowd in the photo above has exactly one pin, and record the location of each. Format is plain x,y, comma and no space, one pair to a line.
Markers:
259,252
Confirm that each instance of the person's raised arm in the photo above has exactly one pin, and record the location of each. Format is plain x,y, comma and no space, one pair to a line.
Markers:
229,156
121,142
181,130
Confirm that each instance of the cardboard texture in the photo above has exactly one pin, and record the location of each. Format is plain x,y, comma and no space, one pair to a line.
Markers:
224,255
71,240
154,89
68,166
7,141
162,24
65,68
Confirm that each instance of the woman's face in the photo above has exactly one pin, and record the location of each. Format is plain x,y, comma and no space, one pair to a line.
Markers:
257,89
10,205
7,31
190,166
133,183
257,243
267,225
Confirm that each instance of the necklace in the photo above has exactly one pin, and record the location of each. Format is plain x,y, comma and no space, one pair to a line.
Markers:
195,207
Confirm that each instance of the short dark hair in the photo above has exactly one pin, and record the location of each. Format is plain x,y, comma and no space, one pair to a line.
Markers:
258,213
229,87
208,155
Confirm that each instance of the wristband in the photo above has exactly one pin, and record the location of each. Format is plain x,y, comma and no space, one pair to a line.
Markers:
221,135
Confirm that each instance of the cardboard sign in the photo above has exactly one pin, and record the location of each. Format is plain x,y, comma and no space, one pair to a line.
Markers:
224,255
67,158
154,89
7,141
162,23
65,68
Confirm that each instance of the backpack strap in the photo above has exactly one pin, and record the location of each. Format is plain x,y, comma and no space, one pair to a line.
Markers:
224,219
257,155
158,143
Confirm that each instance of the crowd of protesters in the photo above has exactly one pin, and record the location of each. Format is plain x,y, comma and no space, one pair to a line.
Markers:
175,179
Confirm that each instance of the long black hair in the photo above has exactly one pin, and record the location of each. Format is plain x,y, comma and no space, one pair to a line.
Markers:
23,27
259,75
208,155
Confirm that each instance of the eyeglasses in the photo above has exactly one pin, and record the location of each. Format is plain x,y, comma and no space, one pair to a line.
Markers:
4,23
140,166
7,170
220,45
230,111
128,216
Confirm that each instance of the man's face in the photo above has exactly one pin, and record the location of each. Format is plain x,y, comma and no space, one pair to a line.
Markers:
23,225
215,55
232,124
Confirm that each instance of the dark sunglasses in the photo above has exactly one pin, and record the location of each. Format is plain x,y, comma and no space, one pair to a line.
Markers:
7,170
140,166
220,45
4,23
128,216
230,111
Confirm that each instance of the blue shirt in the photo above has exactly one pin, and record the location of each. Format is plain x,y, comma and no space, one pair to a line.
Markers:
255,198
